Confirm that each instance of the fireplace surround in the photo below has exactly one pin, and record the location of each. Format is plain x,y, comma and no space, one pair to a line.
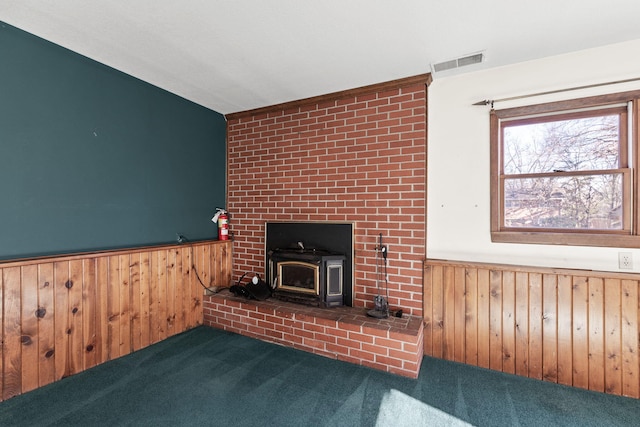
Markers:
357,157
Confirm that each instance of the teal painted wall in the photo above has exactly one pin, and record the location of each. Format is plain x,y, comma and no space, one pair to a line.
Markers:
92,158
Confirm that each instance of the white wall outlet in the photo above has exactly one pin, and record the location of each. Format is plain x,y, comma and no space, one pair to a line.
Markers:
625,260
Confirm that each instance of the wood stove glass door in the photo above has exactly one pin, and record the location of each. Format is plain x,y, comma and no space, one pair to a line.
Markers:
299,276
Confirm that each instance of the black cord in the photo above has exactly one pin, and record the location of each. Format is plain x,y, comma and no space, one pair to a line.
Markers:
193,266
182,239
240,279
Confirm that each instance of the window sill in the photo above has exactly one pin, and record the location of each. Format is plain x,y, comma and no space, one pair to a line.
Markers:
568,239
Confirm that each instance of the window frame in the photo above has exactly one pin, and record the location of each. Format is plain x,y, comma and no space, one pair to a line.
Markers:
609,238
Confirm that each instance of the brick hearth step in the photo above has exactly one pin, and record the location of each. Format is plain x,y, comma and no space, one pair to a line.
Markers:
344,333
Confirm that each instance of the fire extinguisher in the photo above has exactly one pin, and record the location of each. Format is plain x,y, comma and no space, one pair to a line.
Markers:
222,219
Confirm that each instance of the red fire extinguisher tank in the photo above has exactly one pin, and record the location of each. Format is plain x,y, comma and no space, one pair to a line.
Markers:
223,226
221,218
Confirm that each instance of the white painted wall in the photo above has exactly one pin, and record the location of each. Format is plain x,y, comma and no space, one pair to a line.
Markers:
458,223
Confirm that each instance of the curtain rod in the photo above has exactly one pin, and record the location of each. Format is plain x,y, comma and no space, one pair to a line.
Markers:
491,101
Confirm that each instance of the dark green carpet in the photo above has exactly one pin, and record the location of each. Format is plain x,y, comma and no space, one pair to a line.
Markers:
210,377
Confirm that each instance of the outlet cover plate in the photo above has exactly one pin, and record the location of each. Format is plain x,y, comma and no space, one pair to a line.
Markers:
625,260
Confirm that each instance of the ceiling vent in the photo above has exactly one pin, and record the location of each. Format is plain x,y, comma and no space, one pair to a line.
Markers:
463,61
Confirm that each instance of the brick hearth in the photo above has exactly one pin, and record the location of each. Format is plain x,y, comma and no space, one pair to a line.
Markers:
344,333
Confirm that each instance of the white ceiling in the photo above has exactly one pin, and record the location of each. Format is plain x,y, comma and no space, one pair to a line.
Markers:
236,55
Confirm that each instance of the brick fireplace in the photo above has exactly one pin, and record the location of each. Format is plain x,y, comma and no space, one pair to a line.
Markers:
357,157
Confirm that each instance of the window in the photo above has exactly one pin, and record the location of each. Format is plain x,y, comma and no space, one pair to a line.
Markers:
565,172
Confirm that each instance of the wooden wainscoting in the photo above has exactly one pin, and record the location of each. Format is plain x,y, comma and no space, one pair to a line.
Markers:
573,327
62,315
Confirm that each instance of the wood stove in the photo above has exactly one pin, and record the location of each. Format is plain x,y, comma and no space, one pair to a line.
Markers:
311,277
310,262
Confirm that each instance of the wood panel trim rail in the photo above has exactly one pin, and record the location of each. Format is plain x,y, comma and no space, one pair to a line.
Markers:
533,269
100,253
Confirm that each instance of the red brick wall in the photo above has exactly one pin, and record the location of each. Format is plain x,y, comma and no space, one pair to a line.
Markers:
357,158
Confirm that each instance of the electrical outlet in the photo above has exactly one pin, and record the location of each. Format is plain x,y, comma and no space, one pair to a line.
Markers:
625,260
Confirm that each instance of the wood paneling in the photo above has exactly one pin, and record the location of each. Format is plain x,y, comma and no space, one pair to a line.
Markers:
63,315
572,327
